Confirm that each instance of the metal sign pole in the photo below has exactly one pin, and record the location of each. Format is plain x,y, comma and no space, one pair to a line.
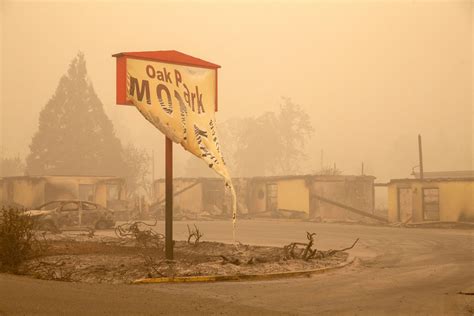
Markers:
169,198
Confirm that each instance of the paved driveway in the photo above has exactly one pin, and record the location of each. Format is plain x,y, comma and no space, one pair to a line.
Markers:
400,272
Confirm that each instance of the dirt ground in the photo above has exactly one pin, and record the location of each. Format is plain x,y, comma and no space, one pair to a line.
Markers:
78,257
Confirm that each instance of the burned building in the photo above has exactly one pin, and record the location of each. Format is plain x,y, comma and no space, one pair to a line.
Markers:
32,191
326,198
439,196
194,196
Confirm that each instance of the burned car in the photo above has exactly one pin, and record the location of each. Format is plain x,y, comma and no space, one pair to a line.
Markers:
59,215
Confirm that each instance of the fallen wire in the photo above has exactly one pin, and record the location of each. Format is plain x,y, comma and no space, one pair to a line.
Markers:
129,228
143,237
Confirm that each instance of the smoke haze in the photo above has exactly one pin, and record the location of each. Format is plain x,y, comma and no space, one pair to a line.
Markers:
371,75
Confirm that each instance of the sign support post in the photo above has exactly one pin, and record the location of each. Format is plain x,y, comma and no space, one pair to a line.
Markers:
161,78
169,198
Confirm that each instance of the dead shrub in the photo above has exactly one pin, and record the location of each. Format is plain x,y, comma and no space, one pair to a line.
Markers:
305,251
298,250
194,235
17,239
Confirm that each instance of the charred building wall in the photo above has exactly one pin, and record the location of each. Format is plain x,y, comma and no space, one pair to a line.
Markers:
282,196
31,192
415,200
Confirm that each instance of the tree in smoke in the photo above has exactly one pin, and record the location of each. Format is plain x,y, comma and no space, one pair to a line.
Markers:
258,146
137,175
75,136
272,143
295,130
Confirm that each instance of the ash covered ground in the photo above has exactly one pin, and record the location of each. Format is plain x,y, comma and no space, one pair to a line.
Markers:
86,257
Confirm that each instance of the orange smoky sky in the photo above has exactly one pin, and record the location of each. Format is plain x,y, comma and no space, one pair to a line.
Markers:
371,75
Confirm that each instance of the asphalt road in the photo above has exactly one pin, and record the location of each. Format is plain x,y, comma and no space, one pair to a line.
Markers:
399,272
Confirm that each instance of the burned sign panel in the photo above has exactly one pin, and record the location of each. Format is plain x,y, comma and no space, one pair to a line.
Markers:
177,93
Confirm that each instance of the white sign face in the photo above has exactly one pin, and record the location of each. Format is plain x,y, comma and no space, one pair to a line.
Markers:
180,101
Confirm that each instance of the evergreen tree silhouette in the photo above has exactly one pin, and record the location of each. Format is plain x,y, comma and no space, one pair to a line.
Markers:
75,136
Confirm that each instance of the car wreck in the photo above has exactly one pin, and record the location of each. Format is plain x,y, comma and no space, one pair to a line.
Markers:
72,215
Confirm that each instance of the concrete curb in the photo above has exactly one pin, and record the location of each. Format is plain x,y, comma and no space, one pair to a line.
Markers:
245,277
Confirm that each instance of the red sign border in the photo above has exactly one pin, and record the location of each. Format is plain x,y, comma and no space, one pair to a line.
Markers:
121,75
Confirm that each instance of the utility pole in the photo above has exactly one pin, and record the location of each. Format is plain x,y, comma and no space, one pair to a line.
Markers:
362,169
420,154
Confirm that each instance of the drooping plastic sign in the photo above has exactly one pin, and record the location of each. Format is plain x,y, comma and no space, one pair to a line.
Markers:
177,93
